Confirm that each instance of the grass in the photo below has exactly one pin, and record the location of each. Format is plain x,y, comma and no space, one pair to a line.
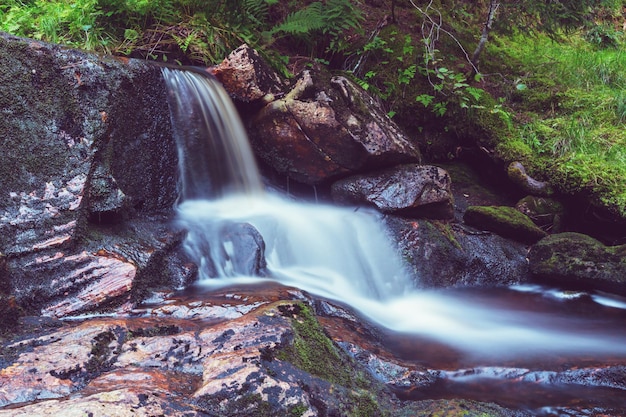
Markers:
574,113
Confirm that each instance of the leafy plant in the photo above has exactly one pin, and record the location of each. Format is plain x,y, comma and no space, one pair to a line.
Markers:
321,24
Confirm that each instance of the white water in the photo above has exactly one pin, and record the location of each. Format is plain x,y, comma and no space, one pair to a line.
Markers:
339,253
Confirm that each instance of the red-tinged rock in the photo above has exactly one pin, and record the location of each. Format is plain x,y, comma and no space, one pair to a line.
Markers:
327,127
126,402
111,279
246,76
58,363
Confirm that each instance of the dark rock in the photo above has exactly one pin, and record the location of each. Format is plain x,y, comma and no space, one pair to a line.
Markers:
326,127
247,255
546,213
505,221
86,141
441,255
411,190
577,260
106,202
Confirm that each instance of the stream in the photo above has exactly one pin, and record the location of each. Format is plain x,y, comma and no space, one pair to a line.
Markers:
525,347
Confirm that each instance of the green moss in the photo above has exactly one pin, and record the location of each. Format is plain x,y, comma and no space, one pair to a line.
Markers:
445,229
505,221
513,150
363,404
297,410
312,350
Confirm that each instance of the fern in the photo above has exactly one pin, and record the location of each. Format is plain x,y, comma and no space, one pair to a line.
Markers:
256,11
303,21
330,19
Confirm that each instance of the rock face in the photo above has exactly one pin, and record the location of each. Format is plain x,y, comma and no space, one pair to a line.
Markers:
441,255
275,359
577,260
86,144
412,190
327,127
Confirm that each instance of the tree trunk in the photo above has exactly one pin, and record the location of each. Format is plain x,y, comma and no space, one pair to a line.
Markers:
493,8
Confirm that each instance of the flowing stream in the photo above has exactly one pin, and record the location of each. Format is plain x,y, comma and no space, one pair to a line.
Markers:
343,254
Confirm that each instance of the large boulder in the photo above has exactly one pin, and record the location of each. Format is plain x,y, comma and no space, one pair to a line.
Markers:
411,190
577,260
443,255
86,145
326,127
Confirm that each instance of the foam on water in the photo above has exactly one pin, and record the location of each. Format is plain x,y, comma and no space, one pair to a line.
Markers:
338,253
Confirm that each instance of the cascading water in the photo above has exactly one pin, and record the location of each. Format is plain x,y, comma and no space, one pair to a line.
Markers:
333,252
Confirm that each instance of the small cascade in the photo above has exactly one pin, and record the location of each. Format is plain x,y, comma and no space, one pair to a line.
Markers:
214,155
335,252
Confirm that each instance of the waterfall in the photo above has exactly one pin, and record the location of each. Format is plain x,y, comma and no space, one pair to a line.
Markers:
332,252
214,155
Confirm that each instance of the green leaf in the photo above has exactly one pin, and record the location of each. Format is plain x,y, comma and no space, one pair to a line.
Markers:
425,99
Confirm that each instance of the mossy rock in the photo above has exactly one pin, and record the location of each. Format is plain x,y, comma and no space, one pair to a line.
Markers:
546,213
579,261
504,221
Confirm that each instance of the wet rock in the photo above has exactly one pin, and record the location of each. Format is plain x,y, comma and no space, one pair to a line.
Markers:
58,364
109,278
441,255
546,213
247,77
518,175
235,367
577,260
411,190
247,256
86,140
110,267
505,221
394,375
226,248
325,127
106,202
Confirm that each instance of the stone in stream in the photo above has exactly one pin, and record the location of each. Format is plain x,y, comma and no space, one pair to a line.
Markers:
577,260
409,190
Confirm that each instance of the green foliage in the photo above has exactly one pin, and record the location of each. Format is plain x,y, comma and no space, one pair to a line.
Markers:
574,108
320,25
68,22
551,17
188,30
